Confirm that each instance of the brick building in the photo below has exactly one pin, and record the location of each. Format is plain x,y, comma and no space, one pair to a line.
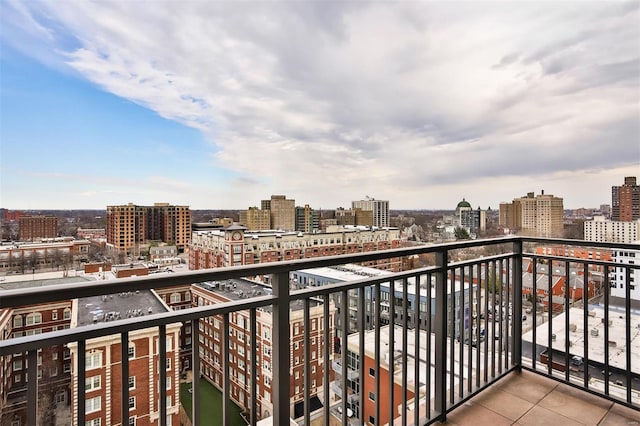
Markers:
625,201
234,245
35,227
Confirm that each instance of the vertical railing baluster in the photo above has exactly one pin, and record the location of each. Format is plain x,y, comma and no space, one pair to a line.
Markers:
497,315
81,382
416,353
473,333
627,322
451,332
567,311
606,329
377,351
480,321
195,367
429,328
281,347
361,363
550,318
32,387
344,330
585,324
534,295
516,357
508,309
325,349
462,330
307,360
391,346
253,415
124,384
405,313
162,372
511,296
226,371
441,336
485,344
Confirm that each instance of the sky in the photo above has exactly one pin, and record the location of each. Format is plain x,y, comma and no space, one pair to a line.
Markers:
218,105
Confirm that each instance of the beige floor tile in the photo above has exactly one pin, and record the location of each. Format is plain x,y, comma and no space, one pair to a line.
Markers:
472,414
539,416
504,403
620,415
576,406
526,385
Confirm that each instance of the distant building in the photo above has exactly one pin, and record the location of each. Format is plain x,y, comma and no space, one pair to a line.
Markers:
282,212
345,217
49,254
610,231
605,210
539,216
620,281
255,219
92,233
129,226
235,245
474,221
35,227
307,219
379,209
625,201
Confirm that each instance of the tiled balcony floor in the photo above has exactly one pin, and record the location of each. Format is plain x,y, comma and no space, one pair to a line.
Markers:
526,398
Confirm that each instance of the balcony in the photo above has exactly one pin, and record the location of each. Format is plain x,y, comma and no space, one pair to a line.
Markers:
454,347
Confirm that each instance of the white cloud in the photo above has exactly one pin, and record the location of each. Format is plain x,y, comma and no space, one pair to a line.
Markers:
419,103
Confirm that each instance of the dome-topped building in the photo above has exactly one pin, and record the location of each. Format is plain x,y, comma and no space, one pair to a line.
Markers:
472,220
463,204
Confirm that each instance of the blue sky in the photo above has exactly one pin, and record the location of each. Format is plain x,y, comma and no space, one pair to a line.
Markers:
220,105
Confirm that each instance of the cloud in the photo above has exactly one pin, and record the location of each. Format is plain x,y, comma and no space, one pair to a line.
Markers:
373,98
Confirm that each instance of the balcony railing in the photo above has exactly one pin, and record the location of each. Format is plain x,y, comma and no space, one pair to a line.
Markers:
454,329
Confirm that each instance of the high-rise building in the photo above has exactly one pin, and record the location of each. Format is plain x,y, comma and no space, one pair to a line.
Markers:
379,209
625,201
129,226
34,227
307,219
255,219
283,212
540,216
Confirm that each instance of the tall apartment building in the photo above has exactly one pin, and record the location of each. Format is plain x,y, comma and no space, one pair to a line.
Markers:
611,231
307,219
283,212
255,219
625,201
540,216
241,367
36,227
379,209
103,363
233,246
129,226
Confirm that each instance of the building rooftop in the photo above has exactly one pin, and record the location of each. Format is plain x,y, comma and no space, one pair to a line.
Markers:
118,306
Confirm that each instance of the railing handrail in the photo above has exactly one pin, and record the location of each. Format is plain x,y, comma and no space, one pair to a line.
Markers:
57,292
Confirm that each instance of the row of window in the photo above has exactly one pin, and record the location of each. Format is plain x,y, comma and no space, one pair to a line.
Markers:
36,318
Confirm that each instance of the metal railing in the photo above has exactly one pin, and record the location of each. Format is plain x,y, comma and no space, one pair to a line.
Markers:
453,329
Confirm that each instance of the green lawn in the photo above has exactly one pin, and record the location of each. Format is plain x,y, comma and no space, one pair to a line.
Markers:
210,404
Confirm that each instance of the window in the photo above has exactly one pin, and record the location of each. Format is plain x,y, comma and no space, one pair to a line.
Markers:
175,298
168,363
35,318
67,313
93,404
67,368
93,360
169,401
132,421
17,365
54,315
91,383
168,383
372,372
17,321
132,402
94,422
132,350
132,382
372,420
372,396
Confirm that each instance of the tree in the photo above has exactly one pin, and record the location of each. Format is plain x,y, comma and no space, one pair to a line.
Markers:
493,283
461,233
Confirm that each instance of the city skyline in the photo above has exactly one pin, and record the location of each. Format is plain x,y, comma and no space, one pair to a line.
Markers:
219,105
